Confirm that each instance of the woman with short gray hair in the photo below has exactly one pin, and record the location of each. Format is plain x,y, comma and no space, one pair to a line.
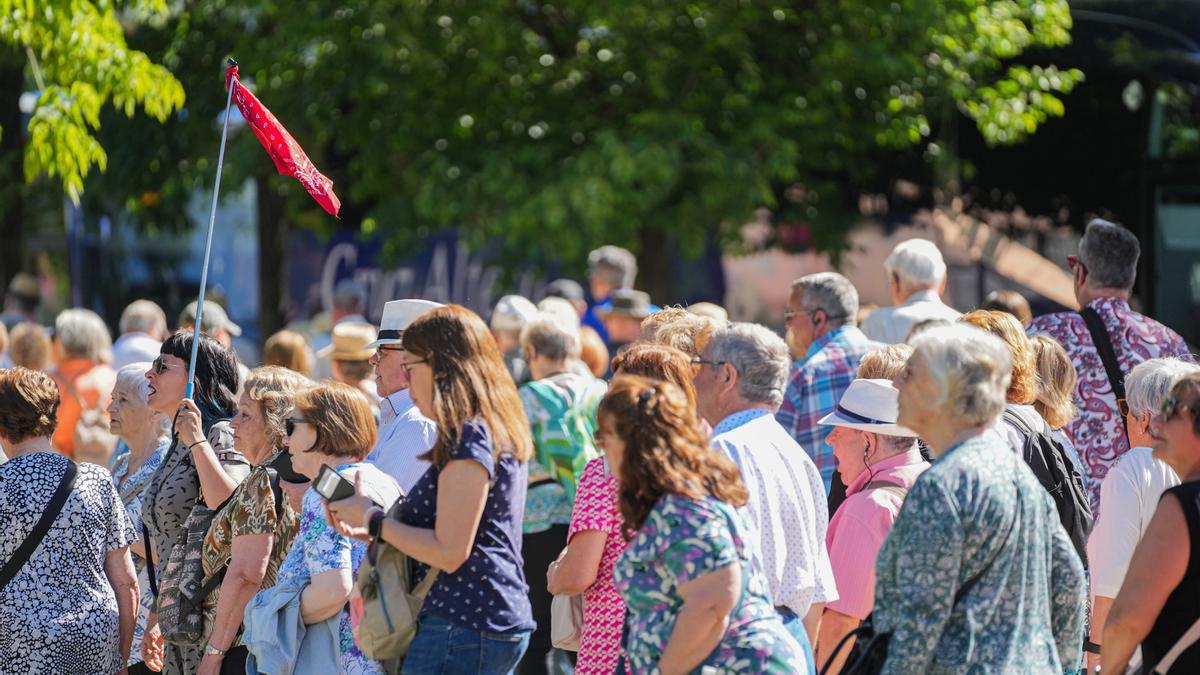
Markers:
1130,492
82,350
146,434
978,535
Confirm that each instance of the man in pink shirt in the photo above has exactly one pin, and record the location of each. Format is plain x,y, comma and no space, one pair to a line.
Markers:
879,461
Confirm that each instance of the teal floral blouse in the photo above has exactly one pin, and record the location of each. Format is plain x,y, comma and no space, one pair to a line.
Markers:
684,539
979,513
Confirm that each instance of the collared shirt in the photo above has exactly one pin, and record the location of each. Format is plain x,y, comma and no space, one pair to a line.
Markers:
890,325
861,524
979,515
816,385
1097,431
786,508
403,435
133,348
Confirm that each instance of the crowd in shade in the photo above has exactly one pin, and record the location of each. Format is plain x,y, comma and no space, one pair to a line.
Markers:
591,483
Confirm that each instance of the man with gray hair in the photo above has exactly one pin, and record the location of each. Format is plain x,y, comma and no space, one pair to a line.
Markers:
143,327
1104,271
610,269
739,385
821,331
916,280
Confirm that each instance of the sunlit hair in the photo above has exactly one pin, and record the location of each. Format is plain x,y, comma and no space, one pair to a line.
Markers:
288,349
28,404
1023,387
82,335
1150,382
593,352
971,367
29,346
470,382
885,363
342,418
274,389
1056,382
677,327
665,451
658,362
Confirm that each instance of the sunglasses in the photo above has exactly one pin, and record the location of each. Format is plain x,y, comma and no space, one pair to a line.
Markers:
697,361
289,425
158,366
1171,407
1074,263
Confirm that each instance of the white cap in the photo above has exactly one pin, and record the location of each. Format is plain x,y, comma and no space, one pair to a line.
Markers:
918,261
562,311
869,405
512,313
398,315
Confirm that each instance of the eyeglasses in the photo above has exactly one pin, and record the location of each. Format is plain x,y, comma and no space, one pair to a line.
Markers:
407,365
1171,407
158,366
697,361
1074,263
812,315
289,425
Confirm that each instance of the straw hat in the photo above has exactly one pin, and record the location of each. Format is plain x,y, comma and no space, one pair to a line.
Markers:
350,342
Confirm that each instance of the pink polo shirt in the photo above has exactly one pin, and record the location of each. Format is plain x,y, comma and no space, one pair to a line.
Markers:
860,526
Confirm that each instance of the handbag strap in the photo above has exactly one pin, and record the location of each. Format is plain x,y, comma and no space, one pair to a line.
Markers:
1108,356
1182,645
42,527
150,576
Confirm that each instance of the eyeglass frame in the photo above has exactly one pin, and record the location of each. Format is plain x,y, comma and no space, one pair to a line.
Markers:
1075,263
289,424
158,365
697,361
407,366
789,315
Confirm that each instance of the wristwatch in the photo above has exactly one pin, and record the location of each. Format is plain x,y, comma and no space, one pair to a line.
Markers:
375,522
210,650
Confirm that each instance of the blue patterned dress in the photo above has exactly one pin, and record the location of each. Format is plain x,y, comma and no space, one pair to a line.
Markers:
979,513
684,539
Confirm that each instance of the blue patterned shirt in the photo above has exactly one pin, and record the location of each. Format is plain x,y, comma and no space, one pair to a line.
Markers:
979,514
816,385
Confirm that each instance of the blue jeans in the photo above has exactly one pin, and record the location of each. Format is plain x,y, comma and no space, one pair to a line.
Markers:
795,627
441,647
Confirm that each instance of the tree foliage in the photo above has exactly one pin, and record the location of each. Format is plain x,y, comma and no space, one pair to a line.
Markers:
80,61
552,127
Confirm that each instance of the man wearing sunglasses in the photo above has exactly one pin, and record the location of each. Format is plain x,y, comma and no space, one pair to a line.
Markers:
1103,272
404,433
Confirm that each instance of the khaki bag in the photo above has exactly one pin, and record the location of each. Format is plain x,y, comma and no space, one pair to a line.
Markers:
566,621
93,440
391,605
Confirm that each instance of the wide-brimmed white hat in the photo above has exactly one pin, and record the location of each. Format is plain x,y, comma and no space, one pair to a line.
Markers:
869,405
398,315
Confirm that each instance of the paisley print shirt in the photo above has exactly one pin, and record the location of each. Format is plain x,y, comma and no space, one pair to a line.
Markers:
979,517
1097,431
684,539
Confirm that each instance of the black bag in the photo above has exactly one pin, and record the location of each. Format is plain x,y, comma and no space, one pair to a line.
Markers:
42,527
1054,470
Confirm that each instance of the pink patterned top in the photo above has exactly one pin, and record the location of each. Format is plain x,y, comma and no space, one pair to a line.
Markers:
603,609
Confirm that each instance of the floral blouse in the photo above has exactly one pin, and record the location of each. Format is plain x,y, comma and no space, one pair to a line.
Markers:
979,514
251,509
319,548
684,539
132,488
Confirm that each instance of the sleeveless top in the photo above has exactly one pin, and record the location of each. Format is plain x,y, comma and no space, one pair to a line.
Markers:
1183,604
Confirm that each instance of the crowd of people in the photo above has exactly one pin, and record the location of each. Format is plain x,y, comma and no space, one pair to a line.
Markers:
612,486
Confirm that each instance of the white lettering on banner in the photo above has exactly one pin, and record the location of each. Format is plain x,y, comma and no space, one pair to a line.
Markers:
472,283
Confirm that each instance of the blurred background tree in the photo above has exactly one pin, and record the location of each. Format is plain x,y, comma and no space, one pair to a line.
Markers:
550,128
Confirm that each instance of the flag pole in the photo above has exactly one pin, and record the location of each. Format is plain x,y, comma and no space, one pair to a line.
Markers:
212,219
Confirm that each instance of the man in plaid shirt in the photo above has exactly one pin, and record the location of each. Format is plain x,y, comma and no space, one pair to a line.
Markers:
823,335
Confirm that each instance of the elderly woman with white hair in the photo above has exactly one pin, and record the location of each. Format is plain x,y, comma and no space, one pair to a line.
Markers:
560,404
82,353
146,433
977,573
879,461
1130,492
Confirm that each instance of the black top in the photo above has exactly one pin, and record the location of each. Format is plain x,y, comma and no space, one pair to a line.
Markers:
1183,604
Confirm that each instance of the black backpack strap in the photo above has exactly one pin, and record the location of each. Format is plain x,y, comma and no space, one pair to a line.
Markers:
149,558
57,501
1108,356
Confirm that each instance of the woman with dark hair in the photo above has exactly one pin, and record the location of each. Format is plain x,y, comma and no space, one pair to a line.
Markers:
70,607
464,515
694,597
200,469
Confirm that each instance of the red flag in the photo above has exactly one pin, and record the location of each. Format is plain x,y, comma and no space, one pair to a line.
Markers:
289,157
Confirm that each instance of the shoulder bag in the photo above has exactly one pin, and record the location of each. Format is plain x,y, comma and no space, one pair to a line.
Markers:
93,440
42,527
1108,356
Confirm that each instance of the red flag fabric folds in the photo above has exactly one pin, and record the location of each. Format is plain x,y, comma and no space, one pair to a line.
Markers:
287,154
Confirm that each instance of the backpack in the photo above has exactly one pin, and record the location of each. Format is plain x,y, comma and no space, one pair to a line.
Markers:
1048,460
93,440
564,442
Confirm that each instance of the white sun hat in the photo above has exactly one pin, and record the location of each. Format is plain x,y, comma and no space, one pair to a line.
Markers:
869,405
397,316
